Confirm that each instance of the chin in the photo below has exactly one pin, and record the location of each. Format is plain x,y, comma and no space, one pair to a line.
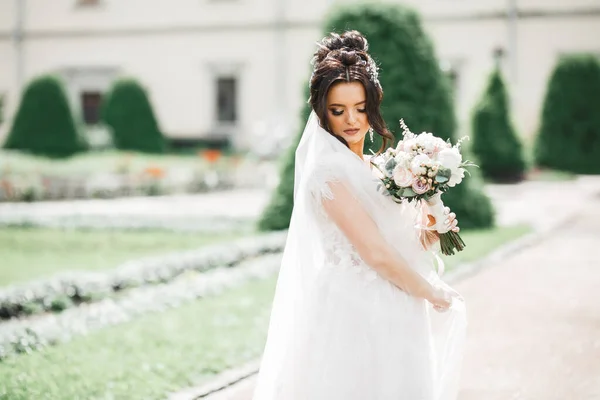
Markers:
353,139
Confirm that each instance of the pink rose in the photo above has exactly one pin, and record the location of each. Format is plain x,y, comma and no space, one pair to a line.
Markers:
419,187
403,177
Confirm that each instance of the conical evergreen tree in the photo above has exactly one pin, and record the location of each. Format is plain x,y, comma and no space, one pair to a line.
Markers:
569,136
127,110
495,143
414,89
44,124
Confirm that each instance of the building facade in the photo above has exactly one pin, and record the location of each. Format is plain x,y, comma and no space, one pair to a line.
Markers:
235,69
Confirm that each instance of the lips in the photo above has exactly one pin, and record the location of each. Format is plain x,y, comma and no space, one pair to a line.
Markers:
351,131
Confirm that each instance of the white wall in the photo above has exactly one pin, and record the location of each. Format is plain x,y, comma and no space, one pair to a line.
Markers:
176,50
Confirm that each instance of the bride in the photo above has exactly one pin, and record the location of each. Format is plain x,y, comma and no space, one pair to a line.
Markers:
360,312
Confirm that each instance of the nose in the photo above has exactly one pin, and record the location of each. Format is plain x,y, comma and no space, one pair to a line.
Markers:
351,117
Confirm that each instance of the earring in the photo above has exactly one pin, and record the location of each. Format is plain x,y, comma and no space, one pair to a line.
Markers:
371,133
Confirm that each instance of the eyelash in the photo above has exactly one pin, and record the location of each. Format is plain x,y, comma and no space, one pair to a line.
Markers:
338,113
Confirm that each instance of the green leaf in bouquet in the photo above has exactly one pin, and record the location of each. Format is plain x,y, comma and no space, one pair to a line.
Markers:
390,165
441,179
445,172
408,192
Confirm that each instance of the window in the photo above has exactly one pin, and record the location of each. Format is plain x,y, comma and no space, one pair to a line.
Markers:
227,99
88,3
90,105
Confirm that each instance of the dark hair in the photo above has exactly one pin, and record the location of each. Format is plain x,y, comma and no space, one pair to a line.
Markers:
344,58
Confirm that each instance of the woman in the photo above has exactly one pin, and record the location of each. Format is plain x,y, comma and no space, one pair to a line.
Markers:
359,311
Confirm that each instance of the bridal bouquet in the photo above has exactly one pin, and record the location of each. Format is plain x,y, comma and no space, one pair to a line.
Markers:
421,168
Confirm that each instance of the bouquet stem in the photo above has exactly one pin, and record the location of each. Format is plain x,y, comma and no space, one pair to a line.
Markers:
451,241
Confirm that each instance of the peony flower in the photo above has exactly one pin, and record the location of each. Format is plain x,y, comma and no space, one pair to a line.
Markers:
419,164
403,177
420,187
456,176
449,158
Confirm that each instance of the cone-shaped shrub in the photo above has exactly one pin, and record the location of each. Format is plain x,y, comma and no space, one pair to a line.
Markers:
44,124
496,145
569,136
127,111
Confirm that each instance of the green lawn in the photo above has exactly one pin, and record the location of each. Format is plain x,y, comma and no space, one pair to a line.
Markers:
481,242
151,356
31,253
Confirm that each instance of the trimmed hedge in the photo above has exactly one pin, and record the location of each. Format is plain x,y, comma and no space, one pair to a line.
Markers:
415,89
126,109
44,124
569,136
496,145
69,289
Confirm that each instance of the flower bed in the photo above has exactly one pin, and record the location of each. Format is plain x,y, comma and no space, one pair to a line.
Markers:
128,222
116,174
72,288
27,335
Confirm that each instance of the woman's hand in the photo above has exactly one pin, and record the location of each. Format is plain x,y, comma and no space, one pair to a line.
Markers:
441,297
440,217
451,221
430,236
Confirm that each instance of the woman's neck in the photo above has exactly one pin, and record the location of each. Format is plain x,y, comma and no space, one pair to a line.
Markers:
358,148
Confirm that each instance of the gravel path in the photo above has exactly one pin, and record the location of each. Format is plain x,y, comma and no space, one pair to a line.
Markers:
534,331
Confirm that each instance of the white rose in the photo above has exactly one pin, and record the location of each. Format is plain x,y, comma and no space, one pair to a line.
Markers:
403,177
449,158
418,164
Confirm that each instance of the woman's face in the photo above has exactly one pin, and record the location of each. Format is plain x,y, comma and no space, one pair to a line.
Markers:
346,111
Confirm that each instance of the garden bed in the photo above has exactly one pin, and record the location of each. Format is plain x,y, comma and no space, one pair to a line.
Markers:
86,269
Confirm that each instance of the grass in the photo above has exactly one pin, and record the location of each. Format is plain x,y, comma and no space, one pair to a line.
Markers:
149,357
481,242
31,253
162,353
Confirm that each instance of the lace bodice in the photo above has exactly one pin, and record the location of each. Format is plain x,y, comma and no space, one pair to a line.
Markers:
339,252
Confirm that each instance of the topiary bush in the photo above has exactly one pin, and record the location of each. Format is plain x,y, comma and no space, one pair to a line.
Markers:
128,112
414,89
569,135
44,124
496,145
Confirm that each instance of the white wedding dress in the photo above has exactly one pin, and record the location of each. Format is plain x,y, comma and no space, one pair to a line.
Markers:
338,330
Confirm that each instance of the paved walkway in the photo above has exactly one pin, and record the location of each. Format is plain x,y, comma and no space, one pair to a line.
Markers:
534,331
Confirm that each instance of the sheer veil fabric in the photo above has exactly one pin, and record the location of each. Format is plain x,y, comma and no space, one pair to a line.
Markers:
338,330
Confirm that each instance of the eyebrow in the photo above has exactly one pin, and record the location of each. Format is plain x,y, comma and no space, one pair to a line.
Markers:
341,105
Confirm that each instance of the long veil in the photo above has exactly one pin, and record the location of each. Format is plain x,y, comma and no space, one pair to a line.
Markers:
318,157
